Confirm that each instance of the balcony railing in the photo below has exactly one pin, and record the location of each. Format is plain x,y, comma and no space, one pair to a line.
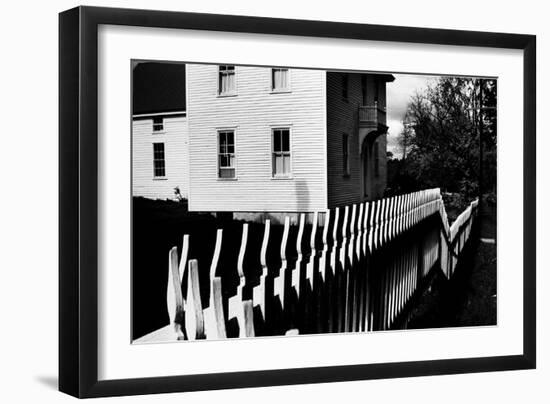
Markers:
372,115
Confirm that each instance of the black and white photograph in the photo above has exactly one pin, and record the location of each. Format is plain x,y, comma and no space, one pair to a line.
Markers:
282,201
274,202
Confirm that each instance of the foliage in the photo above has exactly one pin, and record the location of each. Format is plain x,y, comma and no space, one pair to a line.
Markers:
177,194
440,139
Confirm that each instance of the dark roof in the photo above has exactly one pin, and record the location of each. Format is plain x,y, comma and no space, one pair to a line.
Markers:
158,87
388,78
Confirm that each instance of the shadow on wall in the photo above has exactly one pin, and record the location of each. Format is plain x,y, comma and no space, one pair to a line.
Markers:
302,205
302,196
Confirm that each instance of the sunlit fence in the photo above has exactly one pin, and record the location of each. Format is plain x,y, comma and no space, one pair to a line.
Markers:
351,269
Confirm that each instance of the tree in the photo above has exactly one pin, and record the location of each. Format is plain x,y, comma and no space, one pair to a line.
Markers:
404,139
440,139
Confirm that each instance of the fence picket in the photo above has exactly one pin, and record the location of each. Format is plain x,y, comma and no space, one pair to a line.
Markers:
313,251
362,278
174,296
259,291
279,281
295,274
321,295
214,321
194,319
238,307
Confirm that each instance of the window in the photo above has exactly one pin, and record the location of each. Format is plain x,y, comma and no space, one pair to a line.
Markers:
159,166
345,86
158,124
345,154
364,88
226,154
226,83
281,152
279,79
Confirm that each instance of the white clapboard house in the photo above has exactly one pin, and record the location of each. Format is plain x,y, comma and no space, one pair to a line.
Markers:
159,131
261,139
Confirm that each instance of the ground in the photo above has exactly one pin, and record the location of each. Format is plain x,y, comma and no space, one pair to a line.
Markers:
470,298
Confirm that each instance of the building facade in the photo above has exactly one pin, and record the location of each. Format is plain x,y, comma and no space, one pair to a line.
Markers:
260,139
159,155
160,149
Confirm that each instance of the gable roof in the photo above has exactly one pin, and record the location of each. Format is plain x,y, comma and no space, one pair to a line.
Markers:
158,87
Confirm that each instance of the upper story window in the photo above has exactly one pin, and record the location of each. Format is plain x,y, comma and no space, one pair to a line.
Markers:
159,164
280,79
364,89
226,79
345,84
158,124
226,154
345,154
281,152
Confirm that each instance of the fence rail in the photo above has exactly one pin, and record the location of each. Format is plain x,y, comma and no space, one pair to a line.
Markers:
357,271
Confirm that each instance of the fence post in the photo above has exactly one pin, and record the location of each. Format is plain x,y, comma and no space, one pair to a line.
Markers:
332,296
358,271
174,304
295,273
240,309
349,272
194,318
214,320
296,298
364,270
174,296
310,282
279,282
258,291
312,240
321,294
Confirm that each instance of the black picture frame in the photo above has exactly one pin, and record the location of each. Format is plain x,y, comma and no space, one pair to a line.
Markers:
78,201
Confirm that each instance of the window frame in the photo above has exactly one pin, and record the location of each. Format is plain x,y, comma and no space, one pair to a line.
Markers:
364,90
233,91
274,90
345,86
274,175
345,155
219,131
155,176
155,130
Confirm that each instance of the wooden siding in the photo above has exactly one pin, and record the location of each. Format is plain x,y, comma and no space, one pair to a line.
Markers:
252,113
379,184
175,141
342,118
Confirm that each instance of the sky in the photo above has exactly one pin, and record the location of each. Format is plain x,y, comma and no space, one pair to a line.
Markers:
398,95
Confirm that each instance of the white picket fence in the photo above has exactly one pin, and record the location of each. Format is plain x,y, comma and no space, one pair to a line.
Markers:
362,266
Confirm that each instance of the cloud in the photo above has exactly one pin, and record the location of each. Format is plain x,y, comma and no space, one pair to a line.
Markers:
400,92
395,126
398,95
